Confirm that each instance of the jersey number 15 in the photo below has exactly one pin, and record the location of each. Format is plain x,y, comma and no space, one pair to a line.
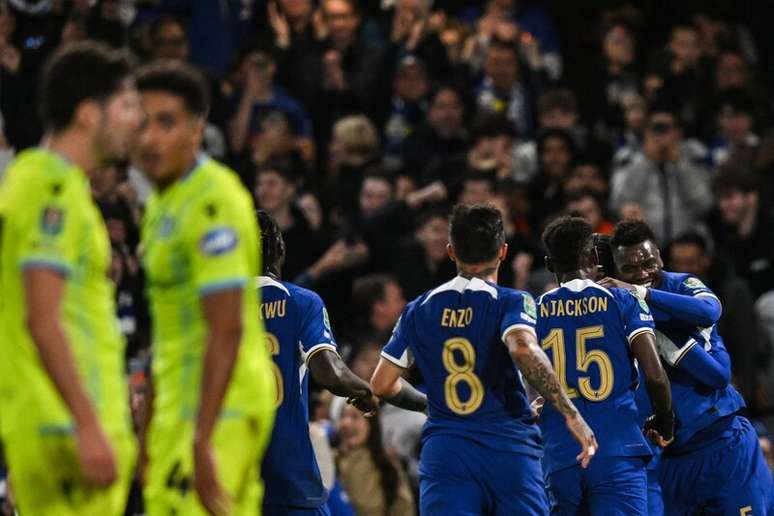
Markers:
583,360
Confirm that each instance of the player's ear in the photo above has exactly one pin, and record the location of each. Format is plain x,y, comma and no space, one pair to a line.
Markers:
503,252
549,265
450,252
87,115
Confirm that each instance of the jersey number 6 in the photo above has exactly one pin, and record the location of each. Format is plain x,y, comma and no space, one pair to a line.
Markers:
273,344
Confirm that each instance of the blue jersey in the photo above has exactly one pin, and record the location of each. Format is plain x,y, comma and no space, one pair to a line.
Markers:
296,327
455,334
696,404
585,330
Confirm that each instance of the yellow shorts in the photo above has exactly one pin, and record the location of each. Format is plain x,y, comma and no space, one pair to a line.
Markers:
45,475
238,445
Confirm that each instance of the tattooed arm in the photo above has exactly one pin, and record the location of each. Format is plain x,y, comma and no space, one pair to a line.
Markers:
536,369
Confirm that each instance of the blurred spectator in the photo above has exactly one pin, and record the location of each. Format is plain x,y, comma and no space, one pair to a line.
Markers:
421,262
629,142
379,298
747,228
275,193
587,176
261,101
477,188
443,134
370,474
406,108
556,152
503,89
663,184
585,203
742,332
736,139
683,77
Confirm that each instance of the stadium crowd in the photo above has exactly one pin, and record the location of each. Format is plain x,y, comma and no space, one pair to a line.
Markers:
358,124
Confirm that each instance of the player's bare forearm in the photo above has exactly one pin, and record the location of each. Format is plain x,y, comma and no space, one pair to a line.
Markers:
329,371
388,384
223,314
44,290
536,369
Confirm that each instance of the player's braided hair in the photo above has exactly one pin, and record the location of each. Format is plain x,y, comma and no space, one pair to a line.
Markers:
568,240
272,245
604,252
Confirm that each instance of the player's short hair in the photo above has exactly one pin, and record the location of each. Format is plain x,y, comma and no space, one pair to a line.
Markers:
272,244
567,240
76,73
476,233
179,79
631,232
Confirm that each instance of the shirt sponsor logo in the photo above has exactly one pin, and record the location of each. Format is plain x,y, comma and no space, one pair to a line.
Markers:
218,241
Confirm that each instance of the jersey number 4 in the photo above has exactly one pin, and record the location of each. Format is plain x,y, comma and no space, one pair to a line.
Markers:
583,360
461,372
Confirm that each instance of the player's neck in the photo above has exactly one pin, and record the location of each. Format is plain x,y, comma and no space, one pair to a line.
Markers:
74,148
484,273
569,276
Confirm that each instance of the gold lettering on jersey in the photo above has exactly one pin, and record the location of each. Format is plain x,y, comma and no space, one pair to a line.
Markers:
573,307
456,318
273,309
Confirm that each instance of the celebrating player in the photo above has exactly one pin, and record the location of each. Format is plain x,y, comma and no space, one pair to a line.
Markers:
212,383
593,335
65,418
715,462
299,337
481,448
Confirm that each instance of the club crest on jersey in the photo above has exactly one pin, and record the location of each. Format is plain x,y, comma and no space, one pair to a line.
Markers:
693,283
52,220
218,241
529,306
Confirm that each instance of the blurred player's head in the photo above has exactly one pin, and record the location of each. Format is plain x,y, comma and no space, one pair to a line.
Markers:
272,245
637,257
87,87
603,253
568,241
175,100
477,239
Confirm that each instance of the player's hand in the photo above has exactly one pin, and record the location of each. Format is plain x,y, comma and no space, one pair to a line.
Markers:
660,430
368,405
211,494
585,436
95,455
616,283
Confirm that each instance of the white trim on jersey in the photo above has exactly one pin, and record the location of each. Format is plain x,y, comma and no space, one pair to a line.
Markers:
517,326
266,281
460,284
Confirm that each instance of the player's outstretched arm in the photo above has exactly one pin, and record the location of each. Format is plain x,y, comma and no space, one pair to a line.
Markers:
534,365
44,289
388,384
660,426
329,371
223,315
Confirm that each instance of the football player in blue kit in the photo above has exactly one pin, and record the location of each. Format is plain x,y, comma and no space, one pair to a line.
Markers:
473,341
715,465
300,340
593,336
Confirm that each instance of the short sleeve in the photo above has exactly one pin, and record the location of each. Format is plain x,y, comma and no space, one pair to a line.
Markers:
518,311
694,287
316,333
397,348
637,318
47,233
216,241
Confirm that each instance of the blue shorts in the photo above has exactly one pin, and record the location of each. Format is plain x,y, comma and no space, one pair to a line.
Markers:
610,486
459,477
655,498
727,477
279,510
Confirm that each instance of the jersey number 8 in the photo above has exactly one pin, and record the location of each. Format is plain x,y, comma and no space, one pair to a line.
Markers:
461,372
583,358
273,344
